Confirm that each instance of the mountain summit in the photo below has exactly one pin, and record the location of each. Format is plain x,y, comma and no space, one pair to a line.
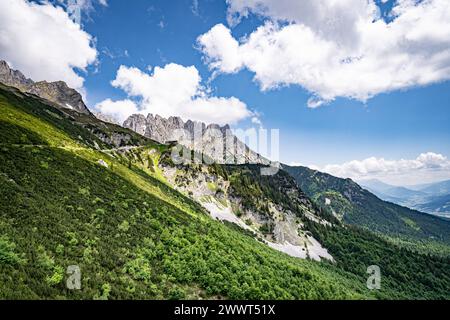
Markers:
57,92
217,142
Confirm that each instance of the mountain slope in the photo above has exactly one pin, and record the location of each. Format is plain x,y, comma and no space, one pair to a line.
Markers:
275,210
131,234
360,207
272,209
439,205
68,197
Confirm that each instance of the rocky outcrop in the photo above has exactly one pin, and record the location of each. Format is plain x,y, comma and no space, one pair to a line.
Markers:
216,142
13,78
106,118
279,227
57,92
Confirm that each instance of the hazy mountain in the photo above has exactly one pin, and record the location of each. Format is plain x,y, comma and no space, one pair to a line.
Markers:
439,205
375,185
402,193
396,194
437,200
356,205
438,188
431,198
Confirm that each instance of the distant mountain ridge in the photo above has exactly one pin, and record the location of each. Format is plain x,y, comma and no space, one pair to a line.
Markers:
356,205
433,198
397,194
438,188
57,92
439,205
212,140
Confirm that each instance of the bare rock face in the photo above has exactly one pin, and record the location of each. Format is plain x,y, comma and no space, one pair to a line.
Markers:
57,92
216,142
13,78
106,118
137,123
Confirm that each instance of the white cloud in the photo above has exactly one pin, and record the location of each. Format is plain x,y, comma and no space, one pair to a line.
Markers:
43,42
257,121
175,90
221,50
118,110
74,6
425,168
335,48
195,8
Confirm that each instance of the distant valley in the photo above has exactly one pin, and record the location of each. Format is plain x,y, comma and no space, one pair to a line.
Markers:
433,198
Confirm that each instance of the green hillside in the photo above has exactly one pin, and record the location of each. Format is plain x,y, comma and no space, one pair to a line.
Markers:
70,198
131,234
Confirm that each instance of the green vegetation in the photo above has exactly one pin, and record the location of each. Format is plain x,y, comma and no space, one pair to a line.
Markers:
135,237
8,256
257,190
405,273
138,244
131,234
211,186
411,223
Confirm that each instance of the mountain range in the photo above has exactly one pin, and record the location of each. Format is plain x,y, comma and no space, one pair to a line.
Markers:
76,190
217,142
356,205
433,198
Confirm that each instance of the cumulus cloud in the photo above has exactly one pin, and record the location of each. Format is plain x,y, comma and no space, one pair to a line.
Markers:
173,90
335,48
43,42
426,167
118,110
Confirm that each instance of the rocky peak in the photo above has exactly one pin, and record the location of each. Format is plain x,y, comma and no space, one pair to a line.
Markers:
57,92
195,135
12,77
106,118
137,123
176,121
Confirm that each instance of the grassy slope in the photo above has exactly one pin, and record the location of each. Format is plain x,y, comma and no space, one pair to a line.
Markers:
132,235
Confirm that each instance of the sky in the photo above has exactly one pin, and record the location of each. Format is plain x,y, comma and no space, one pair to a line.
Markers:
356,88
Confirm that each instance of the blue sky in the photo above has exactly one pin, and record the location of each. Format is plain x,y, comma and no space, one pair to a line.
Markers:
396,125
391,125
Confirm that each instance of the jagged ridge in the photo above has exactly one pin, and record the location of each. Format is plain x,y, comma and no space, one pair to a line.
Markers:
212,140
57,92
